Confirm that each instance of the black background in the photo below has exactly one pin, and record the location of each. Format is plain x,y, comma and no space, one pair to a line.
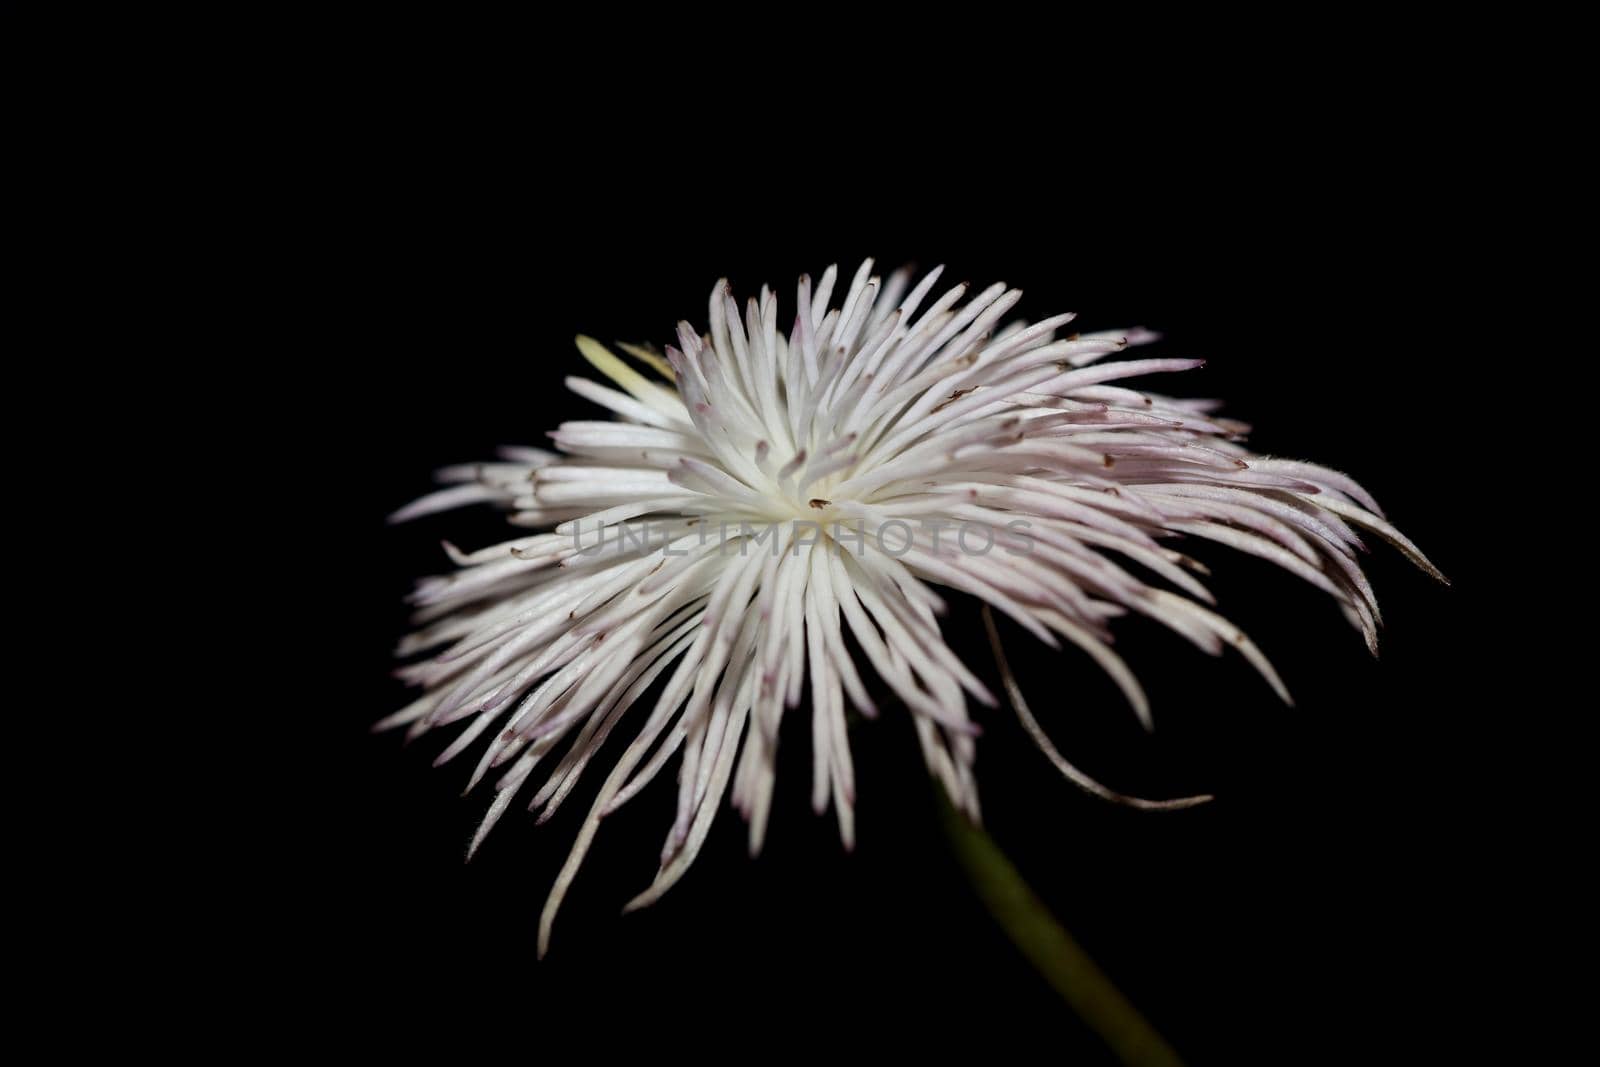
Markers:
436,285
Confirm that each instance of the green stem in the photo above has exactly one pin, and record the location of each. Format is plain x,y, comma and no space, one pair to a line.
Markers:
1052,951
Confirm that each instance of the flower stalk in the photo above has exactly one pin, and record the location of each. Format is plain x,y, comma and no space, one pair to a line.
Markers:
1052,951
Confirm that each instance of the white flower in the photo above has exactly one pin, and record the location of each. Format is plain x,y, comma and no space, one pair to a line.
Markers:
775,491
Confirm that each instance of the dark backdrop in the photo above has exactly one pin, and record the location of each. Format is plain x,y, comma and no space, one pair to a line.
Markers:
429,317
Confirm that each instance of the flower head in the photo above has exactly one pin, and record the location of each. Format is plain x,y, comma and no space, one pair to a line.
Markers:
767,495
